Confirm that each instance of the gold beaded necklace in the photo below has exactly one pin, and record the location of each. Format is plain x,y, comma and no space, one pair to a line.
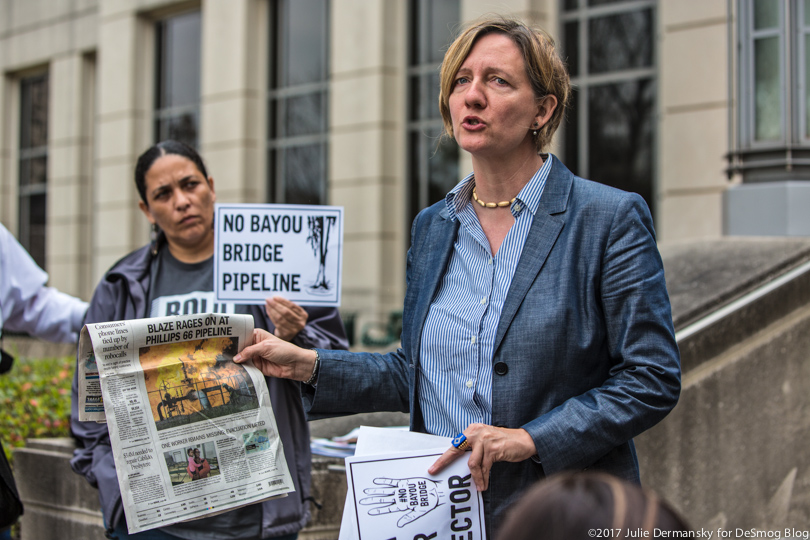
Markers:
491,204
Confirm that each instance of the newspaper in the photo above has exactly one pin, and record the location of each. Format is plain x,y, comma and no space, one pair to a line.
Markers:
193,434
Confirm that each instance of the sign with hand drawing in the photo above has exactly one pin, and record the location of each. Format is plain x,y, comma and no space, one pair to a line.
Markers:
412,497
395,498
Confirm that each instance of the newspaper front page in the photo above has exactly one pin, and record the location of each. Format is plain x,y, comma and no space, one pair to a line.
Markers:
193,434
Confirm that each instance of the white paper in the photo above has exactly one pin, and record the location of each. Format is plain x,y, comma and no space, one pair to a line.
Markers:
264,250
391,495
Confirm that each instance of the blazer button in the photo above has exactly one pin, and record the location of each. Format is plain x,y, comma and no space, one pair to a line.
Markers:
501,368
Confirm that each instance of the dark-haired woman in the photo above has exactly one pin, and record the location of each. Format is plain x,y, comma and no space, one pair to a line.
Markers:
172,276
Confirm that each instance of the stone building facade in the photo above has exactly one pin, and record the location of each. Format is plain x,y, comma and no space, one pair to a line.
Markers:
334,102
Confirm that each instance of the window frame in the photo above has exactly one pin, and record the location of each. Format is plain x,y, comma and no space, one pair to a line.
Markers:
582,81
747,110
162,114
803,94
276,99
422,144
787,158
26,155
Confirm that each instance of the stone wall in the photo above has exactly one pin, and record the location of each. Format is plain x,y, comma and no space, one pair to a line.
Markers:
733,453
61,504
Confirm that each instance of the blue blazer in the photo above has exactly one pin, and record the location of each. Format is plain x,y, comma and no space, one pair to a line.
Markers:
585,354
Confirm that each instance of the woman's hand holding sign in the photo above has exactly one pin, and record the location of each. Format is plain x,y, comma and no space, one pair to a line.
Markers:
288,317
487,445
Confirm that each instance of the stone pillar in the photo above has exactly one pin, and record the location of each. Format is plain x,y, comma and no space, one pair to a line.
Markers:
540,12
72,90
366,150
233,96
9,141
125,95
693,46
58,503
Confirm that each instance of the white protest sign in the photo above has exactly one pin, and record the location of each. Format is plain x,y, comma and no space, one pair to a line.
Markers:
266,250
394,498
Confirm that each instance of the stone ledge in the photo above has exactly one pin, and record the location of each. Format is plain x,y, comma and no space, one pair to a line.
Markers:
704,276
61,504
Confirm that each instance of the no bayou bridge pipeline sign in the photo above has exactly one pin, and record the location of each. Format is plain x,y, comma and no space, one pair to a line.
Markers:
265,250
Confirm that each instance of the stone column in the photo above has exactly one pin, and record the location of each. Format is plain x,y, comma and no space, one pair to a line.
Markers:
70,150
693,112
125,95
366,150
233,88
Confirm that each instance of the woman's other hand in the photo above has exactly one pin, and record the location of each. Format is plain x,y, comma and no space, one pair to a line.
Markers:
288,317
275,357
488,445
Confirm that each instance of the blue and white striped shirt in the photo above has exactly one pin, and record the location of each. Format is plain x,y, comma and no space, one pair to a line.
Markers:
455,383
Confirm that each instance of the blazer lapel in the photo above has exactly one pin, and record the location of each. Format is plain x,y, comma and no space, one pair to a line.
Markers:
432,262
543,234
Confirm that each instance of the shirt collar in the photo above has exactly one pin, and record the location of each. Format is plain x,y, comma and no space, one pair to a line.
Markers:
529,196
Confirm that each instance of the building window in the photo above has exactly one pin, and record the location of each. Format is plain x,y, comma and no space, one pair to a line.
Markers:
33,165
433,160
297,101
177,99
774,91
610,50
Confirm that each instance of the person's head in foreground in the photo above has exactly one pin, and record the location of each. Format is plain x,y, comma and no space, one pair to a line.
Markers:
571,505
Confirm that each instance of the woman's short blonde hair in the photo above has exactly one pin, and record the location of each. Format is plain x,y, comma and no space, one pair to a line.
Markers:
544,67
